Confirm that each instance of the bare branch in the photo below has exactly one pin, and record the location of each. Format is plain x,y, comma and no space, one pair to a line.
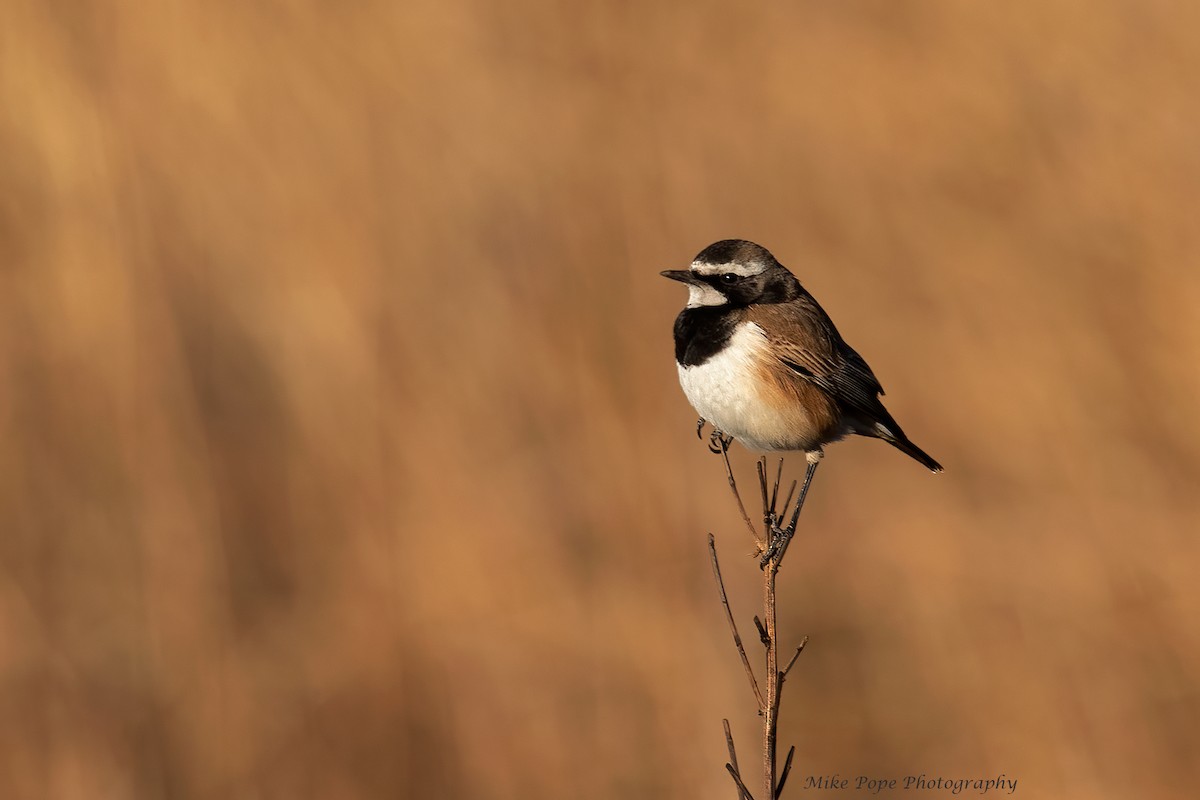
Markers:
733,773
787,768
791,528
737,638
775,488
761,467
737,496
729,743
773,547
783,675
742,795
787,500
763,636
770,723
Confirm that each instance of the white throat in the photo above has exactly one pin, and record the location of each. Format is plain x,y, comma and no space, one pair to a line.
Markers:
704,295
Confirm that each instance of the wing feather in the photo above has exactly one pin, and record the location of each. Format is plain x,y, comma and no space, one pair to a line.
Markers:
804,338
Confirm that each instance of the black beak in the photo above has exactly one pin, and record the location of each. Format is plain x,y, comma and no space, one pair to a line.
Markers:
682,275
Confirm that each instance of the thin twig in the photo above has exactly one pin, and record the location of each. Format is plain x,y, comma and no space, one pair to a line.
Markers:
787,768
775,488
762,632
761,467
737,638
733,773
809,471
783,675
737,496
729,743
771,708
787,500
773,547
742,795
791,528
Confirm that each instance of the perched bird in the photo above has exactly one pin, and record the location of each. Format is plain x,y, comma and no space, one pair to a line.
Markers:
762,362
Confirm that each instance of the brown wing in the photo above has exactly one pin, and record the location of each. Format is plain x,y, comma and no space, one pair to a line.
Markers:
804,338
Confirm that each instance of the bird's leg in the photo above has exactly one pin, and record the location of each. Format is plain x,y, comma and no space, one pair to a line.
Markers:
699,428
781,537
718,442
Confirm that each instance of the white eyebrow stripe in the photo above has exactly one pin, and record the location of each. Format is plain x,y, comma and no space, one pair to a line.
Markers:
744,269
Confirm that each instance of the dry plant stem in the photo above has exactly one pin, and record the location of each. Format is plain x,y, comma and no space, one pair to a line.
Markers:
762,632
775,489
791,491
737,637
737,779
790,530
761,467
770,725
737,496
732,766
776,545
768,502
795,655
787,770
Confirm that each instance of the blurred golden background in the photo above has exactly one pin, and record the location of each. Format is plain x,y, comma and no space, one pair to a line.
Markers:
343,453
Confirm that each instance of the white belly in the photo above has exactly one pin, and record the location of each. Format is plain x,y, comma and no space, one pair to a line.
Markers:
722,391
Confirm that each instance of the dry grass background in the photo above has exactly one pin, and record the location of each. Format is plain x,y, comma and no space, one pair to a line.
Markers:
343,456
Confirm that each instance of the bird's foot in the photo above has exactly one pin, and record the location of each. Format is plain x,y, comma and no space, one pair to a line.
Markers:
700,427
718,442
779,539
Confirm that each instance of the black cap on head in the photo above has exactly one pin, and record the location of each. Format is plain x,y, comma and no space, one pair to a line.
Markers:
728,251
740,273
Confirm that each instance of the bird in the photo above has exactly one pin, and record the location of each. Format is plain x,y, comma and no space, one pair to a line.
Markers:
762,362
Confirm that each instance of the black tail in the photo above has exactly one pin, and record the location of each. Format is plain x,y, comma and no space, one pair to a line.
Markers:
909,449
881,425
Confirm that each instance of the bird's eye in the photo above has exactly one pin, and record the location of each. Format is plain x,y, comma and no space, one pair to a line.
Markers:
729,277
